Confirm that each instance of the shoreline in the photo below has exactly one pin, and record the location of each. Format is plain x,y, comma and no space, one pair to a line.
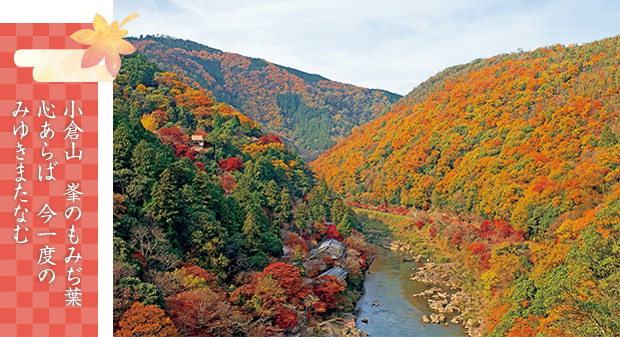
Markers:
447,295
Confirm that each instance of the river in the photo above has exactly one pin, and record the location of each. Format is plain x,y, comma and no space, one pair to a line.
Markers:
398,313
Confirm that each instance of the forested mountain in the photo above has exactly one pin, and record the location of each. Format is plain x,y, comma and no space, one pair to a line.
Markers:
214,220
309,112
528,141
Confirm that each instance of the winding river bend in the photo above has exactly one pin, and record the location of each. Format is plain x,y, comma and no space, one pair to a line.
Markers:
398,313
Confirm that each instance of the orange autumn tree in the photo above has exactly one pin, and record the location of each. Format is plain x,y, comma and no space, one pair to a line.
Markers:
526,327
146,321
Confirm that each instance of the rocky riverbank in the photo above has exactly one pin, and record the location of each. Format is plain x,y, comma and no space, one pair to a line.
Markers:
338,327
438,274
442,302
336,330
439,301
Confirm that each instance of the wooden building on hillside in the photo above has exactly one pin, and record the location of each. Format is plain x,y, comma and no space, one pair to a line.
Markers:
197,142
330,247
337,272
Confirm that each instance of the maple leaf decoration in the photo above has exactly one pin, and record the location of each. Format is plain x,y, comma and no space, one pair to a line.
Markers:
106,42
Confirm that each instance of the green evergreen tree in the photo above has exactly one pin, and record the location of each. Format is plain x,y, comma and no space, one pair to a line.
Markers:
338,211
251,229
272,194
164,204
143,159
122,148
608,138
320,201
285,207
301,217
345,225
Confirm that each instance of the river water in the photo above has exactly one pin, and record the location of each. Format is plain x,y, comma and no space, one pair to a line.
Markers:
398,313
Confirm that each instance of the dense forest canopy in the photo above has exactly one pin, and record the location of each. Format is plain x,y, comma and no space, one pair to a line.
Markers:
310,112
529,142
214,220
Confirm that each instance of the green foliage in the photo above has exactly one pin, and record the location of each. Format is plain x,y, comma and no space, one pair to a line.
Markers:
301,216
201,215
345,225
310,112
320,201
148,294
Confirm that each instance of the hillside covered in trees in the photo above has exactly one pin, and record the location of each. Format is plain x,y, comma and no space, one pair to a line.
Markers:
528,142
215,221
310,112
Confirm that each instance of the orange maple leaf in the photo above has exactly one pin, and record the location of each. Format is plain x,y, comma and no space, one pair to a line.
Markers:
106,42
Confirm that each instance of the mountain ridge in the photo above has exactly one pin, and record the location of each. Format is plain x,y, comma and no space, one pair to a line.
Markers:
523,144
310,110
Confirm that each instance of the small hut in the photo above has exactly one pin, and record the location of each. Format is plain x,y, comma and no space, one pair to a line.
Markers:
197,142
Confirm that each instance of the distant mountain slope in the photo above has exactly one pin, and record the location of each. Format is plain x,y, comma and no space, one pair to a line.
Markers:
529,141
504,137
309,111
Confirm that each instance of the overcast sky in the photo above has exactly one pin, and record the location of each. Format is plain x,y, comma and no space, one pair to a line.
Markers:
388,44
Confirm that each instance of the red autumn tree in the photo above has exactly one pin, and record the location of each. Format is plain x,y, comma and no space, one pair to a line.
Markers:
525,327
172,135
419,224
285,319
289,278
269,139
204,312
262,295
183,150
228,182
230,164
326,290
293,240
332,232
192,269
457,238
159,117
432,231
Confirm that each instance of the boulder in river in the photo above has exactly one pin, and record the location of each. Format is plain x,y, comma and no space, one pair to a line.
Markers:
425,319
437,318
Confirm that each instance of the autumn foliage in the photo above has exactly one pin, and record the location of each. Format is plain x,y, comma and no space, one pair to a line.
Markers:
289,278
332,232
326,290
310,110
521,137
145,320
269,139
200,225
523,149
230,164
